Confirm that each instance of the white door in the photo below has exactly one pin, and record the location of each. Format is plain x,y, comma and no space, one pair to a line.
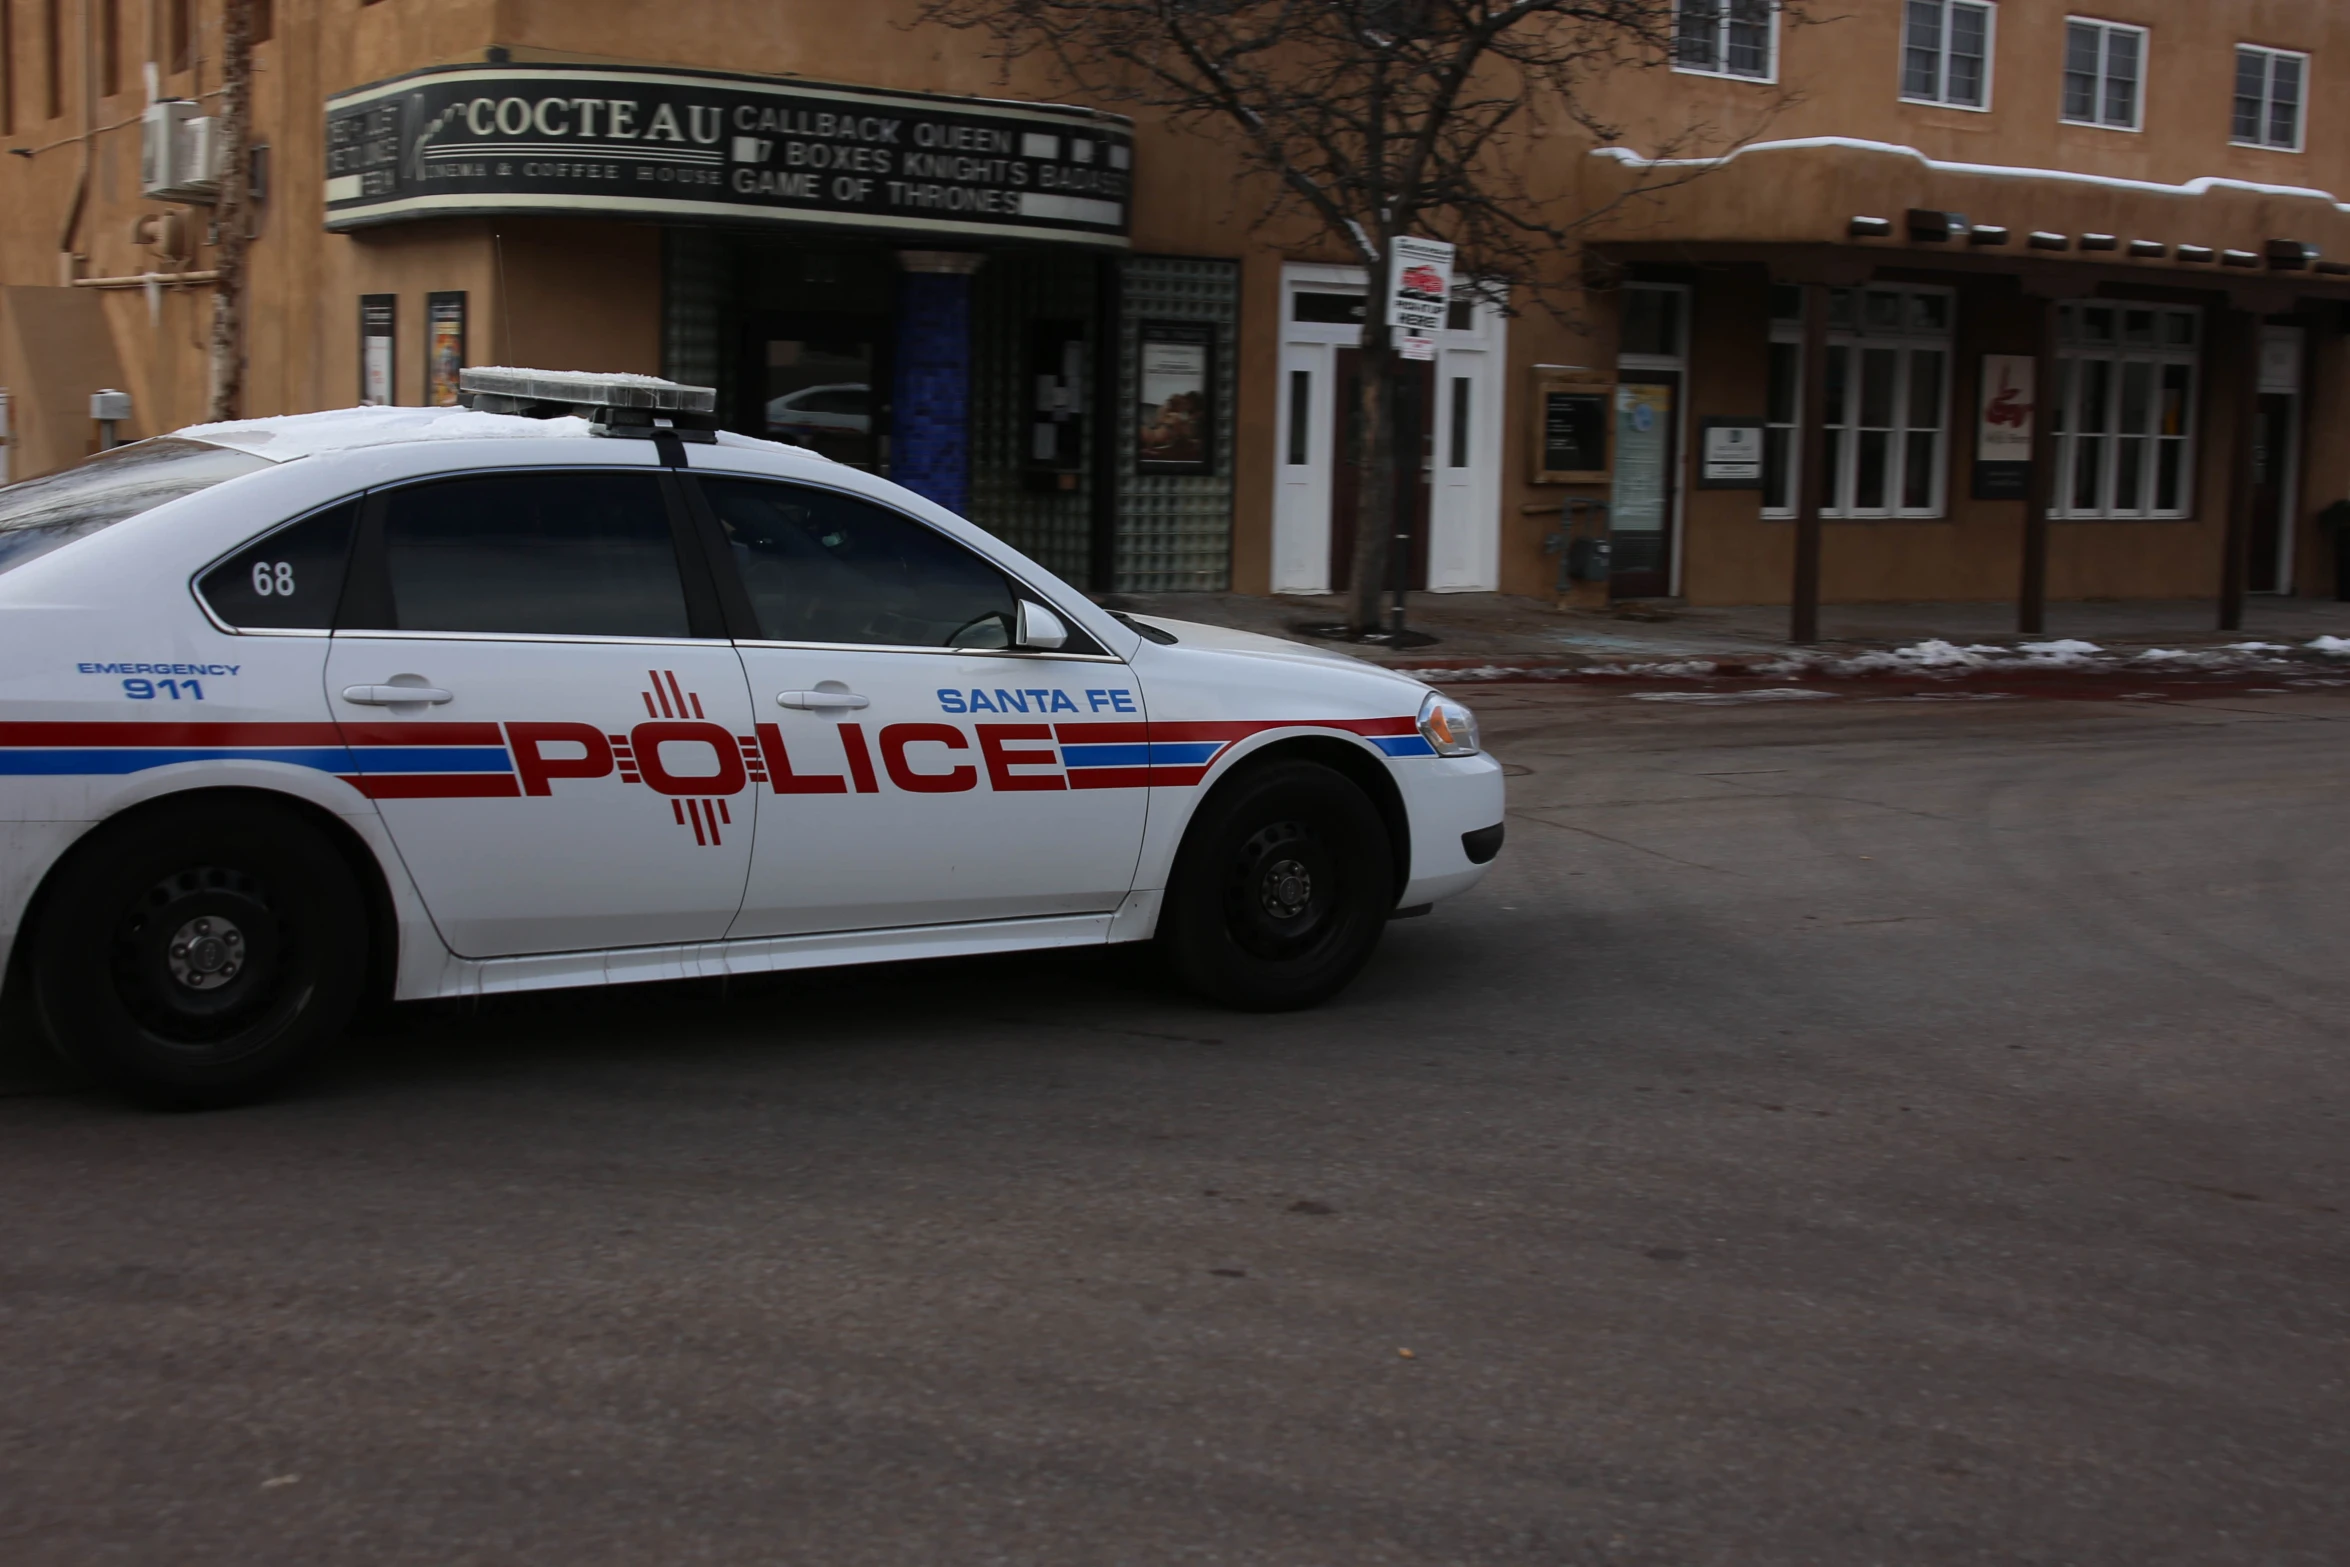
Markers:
917,772
573,771
1322,310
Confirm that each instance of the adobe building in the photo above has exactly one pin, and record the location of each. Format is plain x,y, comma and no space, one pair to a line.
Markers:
1973,234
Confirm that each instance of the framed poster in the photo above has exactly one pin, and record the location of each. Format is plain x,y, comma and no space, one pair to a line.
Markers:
1730,454
444,347
2003,429
1175,400
1572,417
378,322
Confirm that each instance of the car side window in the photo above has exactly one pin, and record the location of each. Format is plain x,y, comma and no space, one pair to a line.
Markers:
827,567
289,580
551,554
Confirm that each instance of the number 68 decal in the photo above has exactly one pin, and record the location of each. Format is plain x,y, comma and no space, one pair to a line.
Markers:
273,579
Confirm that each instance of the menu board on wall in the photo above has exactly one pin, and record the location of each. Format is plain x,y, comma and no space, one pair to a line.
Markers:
378,321
1570,435
444,347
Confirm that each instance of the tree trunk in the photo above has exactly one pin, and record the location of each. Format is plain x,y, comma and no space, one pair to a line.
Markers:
1374,446
229,217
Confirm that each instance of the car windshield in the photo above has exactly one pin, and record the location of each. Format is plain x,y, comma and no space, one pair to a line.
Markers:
40,515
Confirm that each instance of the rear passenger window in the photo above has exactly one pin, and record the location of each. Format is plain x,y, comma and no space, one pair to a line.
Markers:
827,567
288,581
555,554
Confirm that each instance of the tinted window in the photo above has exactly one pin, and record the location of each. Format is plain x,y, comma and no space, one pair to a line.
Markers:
289,580
40,514
824,567
557,554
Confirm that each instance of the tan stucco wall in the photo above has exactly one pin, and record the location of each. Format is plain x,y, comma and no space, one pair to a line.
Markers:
588,293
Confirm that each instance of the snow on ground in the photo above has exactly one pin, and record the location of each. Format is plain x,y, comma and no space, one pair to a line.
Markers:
1730,698
1933,658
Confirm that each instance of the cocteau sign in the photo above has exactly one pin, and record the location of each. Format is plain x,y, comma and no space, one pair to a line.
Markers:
471,140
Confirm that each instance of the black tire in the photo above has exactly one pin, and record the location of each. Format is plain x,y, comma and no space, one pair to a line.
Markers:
193,956
1281,889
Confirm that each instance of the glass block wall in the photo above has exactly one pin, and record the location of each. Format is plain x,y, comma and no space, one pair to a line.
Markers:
1011,292
696,276
1175,531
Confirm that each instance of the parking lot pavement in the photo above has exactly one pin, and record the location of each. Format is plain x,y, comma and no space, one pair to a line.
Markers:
1841,1131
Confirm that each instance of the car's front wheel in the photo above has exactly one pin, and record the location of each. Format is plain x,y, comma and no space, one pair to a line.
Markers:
194,955
1283,885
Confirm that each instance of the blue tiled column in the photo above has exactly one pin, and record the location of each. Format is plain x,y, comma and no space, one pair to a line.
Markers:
930,403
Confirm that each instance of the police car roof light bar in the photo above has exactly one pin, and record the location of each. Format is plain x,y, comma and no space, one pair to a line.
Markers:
642,407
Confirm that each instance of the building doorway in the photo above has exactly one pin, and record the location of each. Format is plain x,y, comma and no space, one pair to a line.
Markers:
1452,483
818,381
1644,503
2276,462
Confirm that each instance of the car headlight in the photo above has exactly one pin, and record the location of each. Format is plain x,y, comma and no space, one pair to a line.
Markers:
1448,726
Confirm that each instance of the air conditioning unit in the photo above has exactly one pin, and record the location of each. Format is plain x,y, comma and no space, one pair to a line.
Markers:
181,153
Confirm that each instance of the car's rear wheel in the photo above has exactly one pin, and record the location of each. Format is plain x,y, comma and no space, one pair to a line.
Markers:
195,955
1283,885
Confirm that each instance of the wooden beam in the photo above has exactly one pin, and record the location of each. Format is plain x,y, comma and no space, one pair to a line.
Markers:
2236,541
1803,619
2031,610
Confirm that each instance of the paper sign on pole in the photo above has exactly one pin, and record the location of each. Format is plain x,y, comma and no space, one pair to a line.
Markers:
1420,284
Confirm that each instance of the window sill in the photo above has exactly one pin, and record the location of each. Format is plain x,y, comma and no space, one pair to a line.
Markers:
1944,103
2264,146
2100,125
1768,79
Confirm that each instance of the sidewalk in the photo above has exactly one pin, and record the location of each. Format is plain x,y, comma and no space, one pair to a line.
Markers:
1500,636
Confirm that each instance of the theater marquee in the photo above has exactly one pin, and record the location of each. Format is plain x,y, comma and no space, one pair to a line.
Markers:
469,141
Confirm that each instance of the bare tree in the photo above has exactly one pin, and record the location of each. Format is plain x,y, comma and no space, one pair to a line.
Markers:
1363,120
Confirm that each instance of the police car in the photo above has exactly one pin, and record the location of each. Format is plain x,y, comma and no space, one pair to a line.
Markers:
566,687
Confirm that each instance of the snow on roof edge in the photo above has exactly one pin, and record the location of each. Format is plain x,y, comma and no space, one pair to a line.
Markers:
2194,187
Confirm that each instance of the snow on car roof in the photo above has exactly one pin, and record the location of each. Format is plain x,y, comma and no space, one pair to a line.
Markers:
284,437
287,436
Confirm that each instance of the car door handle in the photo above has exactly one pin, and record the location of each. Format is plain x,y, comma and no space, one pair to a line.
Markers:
393,696
817,701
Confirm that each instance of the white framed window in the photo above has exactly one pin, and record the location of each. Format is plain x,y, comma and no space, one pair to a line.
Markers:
1888,402
1727,38
2104,74
2124,412
1946,52
2269,97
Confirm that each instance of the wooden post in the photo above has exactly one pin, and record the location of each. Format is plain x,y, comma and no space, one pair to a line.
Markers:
2031,610
2235,560
231,215
1812,486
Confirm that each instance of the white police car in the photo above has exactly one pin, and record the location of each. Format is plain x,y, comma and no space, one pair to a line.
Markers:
401,702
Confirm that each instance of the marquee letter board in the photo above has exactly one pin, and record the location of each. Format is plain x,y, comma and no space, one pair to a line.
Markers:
1571,422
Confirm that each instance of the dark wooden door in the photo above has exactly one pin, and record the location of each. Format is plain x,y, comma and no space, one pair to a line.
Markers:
2272,491
1417,387
1647,484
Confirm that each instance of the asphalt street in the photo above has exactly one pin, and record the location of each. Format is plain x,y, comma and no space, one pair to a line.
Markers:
1861,1130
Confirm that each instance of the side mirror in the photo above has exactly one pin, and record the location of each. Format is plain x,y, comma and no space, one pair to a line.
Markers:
1039,628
